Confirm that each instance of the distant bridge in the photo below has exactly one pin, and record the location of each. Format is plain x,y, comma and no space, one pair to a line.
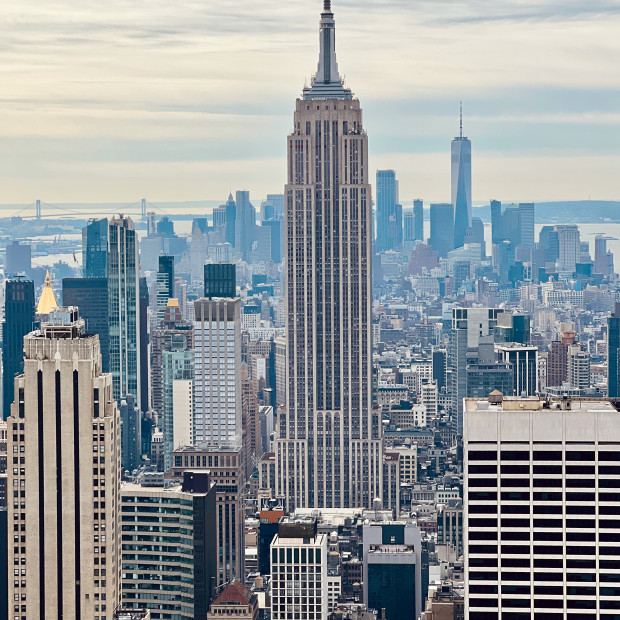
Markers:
142,207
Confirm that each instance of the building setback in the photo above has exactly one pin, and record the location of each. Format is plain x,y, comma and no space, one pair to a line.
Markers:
328,451
65,426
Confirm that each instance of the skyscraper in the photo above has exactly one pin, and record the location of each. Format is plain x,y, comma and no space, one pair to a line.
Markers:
526,225
123,308
328,453
95,248
66,429
220,280
389,212
90,295
497,232
418,217
613,353
461,185
18,321
569,247
217,371
442,228
245,223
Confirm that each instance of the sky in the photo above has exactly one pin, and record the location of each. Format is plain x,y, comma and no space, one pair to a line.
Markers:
186,100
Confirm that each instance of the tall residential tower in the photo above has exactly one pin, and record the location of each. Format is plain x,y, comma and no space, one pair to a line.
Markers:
328,453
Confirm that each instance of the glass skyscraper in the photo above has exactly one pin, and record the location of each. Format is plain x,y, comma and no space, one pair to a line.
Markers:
329,452
461,186
123,309
95,248
389,212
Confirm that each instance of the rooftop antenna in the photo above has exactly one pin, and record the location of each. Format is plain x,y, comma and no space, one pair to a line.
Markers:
461,124
327,6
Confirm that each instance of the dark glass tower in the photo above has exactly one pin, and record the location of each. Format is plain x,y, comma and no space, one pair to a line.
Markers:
18,321
90,295
166,267
95,248
613,352
220,281
389,212
442,228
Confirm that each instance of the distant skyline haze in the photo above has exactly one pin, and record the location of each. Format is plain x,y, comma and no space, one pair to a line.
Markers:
111,102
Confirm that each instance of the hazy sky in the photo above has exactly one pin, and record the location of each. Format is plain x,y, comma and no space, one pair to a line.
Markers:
184,100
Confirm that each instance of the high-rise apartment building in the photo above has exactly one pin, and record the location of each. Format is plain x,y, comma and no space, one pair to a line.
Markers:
461,185
18,321
131,434
65,427
217,371
329,452
524,361
169,547
418,217
299,570
124,308
90,295
541,507
165,285
442,228
389,212
95,249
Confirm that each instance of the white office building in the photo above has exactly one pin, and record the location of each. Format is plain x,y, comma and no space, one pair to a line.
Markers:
541,506
217,371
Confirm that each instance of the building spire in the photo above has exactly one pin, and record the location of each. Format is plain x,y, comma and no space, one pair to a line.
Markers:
326,83
461,124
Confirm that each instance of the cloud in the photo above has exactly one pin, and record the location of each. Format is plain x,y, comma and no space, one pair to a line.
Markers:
150,82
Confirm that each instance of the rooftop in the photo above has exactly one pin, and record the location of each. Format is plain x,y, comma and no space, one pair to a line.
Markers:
498,402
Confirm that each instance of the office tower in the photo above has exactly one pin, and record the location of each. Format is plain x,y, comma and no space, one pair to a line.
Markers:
393,568
578,367
66,429
526,225
245,223
276,203
408,226
124,309
513,328
603,258
524,362
541,504
299,567
450,525
497,231
18,258
95,249
261,245
225,465
329,300
169,546
235,599
231,217
165,227
275,234
90,295
418,216
439,367
549,241
165,284
172,329
217,371
389,212
469,325
475,234
613,353
131,434
557,362
569,247
143,344
178,396
461,185
220,281
484,374
47,300
442,228
18,321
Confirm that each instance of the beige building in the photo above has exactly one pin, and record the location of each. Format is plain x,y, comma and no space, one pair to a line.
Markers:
408,463
328,450
64,443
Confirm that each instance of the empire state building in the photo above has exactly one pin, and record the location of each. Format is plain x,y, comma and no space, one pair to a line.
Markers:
329,452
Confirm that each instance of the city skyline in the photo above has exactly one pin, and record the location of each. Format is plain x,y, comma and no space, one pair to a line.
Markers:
152,124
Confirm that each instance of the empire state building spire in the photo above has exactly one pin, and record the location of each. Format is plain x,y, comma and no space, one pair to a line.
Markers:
326,83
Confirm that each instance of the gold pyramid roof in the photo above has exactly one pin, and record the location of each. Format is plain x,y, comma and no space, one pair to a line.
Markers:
47,301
